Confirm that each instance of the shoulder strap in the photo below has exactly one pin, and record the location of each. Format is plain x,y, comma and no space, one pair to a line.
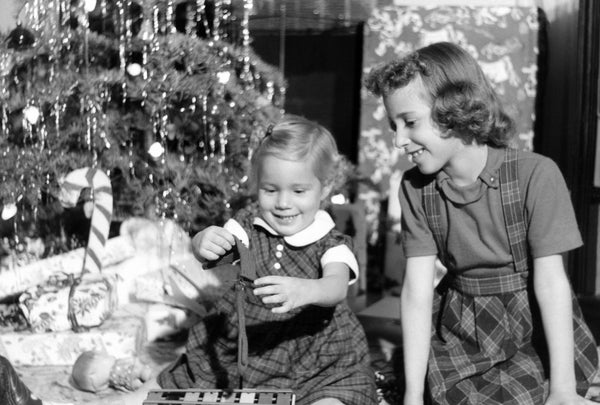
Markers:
511,206
432,212
513,210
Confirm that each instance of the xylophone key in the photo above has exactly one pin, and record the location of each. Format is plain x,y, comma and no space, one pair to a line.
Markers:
152,397
247,397
211,396
284,398
265,398
191,396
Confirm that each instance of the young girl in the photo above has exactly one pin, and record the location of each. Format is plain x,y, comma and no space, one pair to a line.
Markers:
506,329
301,334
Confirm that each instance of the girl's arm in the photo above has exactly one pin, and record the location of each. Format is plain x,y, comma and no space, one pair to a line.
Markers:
292,292
416,308
553,293
331,289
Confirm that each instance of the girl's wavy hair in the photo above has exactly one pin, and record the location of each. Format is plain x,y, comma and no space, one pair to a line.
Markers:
296,138
462,99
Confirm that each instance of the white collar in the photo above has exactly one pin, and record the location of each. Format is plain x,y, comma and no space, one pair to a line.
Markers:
312,233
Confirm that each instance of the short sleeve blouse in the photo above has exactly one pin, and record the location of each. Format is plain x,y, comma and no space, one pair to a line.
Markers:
473,218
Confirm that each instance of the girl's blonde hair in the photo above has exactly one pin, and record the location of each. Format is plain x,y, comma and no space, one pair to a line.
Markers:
296,138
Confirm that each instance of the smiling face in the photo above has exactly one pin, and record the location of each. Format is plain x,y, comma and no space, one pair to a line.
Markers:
415,133
289,194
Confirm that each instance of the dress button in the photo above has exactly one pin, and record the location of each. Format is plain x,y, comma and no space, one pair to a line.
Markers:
277,266
278,254
279,247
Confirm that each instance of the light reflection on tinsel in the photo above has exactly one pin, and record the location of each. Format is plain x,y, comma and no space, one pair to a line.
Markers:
33,10
122,46
104,103
204,143
270,90
103,14
170,18
85,24
162,199
202,28
155,28
225,20
94,130
32,124
212,130
246,75
5,65
190,18
223,138
216,34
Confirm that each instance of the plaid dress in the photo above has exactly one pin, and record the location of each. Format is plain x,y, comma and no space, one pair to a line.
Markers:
488,345
315,351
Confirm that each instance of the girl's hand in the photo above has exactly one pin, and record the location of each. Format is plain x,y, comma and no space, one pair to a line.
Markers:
211,243
567,398
286,292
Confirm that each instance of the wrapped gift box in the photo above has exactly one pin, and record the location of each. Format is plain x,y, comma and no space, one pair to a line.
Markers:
17,280
122,336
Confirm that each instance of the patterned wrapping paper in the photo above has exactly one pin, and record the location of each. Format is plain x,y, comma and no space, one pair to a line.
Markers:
122,336
58,305
18,279
503,39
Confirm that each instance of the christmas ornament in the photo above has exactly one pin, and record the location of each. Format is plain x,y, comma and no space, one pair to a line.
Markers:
223,77
89,5
9,211
134,69
20,39
156,150
31,114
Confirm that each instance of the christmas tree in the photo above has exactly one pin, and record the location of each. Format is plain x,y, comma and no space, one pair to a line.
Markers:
167,98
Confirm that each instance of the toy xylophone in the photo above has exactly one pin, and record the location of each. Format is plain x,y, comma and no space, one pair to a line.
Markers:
220,397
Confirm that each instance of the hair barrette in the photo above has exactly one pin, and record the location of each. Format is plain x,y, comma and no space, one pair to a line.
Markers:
269,130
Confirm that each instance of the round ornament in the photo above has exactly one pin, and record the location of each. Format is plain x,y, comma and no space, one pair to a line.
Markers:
9,211
20,38
31,114
134,69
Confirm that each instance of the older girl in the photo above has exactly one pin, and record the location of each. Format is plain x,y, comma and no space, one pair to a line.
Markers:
506,329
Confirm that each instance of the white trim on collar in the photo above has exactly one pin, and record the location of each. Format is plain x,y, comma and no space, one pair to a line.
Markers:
320,227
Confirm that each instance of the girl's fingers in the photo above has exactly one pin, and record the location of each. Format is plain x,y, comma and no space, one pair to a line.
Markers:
267,280
208,255
266,290
280,309
224,239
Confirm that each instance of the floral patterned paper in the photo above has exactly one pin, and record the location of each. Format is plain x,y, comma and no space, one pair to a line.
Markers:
121,336
48,307
502,39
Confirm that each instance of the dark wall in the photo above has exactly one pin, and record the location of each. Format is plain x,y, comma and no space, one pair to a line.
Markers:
323,72
566,125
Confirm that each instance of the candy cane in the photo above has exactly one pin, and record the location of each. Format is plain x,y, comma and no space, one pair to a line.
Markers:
101,215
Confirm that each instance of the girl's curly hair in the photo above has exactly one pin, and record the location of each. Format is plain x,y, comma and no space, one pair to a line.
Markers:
297,138
462,99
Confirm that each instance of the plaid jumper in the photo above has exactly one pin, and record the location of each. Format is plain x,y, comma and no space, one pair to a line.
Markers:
488,345
315,351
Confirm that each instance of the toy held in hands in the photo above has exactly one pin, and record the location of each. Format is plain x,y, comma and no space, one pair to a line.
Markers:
96,371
